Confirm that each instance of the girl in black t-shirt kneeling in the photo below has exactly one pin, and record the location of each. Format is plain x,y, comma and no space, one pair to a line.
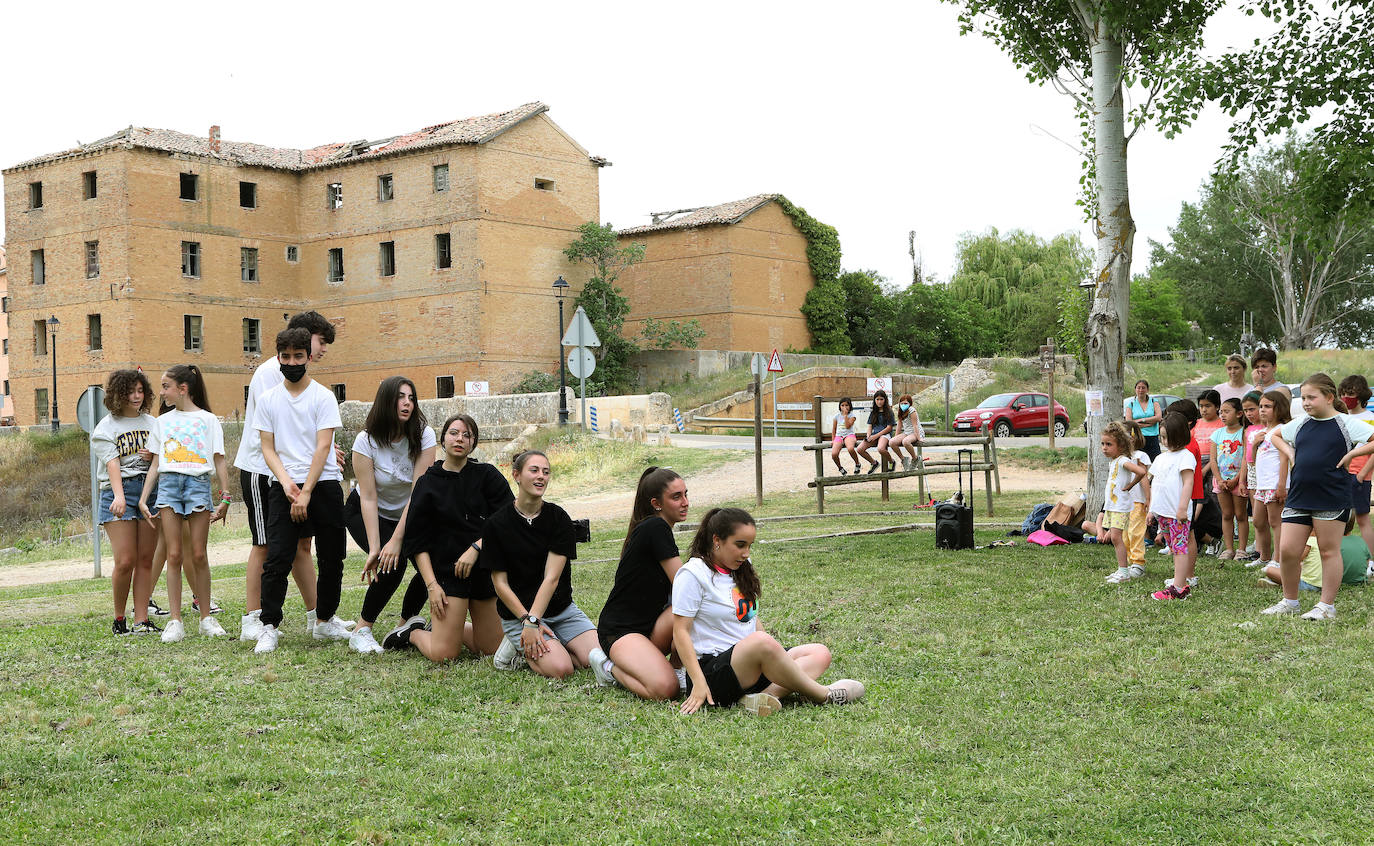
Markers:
527,546
636,625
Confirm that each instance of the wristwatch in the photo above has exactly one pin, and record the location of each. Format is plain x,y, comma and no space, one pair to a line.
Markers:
531,620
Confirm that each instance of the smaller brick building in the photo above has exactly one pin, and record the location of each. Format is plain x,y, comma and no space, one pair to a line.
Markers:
6,404
739,268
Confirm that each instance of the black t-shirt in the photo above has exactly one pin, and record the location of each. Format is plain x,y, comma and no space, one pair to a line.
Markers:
641,590
448,510
522,550
878,420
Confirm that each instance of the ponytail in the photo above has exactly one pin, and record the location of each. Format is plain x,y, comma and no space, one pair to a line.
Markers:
720,523
190,376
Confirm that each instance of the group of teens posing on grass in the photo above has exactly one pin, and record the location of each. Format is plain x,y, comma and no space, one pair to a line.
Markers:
1298,477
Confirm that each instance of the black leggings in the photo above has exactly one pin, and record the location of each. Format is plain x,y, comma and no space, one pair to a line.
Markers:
379,593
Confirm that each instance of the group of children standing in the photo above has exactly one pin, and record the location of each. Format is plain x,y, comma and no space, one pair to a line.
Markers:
1301,476
492,566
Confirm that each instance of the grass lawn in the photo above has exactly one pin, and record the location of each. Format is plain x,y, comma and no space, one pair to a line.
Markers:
1013,698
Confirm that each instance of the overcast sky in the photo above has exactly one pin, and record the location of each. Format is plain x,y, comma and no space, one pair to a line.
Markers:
878,119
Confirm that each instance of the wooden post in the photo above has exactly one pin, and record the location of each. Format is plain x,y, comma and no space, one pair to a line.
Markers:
820,453
1050,343
758,439
996,473
920,480
987,474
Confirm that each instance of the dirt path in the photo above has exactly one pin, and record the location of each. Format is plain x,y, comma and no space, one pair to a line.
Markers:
782,471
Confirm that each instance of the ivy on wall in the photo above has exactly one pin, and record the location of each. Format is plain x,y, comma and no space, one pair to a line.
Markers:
824,305
822,241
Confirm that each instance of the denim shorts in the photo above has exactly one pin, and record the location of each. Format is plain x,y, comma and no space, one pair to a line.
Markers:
133,489
566,625
182,493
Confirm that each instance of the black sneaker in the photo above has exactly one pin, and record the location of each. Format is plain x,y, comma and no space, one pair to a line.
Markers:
155,610
120,627
214,606
146,627
399,637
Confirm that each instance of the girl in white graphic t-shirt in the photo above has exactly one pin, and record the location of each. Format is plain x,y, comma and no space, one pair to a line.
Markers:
189,447
718,635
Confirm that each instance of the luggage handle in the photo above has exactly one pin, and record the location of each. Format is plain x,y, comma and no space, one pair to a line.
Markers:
959,470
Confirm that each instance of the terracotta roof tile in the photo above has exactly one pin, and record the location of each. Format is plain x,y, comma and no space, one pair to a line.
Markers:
474,130
723,214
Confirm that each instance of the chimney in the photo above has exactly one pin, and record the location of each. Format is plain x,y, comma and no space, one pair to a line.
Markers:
214,139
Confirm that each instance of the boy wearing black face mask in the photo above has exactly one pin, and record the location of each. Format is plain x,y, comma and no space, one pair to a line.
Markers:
296,421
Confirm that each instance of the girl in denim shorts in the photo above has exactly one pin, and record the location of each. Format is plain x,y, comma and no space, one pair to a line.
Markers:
120,442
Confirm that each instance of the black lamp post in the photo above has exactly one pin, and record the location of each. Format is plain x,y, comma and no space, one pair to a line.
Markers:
561,286
53,323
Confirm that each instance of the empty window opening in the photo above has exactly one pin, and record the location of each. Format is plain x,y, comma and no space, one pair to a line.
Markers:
40,405
191,324
40,267
190,185
88,185
35,195
387,258
40,337
248,264
384,187
444,386
543,184
93,339
340,392
92,259
252,337
443,256
333,195
248,195
190,259
441,177
336,266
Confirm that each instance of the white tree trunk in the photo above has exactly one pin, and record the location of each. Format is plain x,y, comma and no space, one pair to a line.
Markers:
1106,329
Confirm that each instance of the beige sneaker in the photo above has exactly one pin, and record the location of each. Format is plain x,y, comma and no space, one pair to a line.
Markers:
844,692
761,704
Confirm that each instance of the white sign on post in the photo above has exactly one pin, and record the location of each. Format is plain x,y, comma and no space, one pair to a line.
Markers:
580,332
90,410
758,366
477,389
775,363
877,383
581,362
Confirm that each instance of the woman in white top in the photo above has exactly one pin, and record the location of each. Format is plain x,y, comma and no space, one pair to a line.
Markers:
1235,386
718,635
392,452
842,435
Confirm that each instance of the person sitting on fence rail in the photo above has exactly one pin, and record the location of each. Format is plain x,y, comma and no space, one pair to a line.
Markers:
880,422
842,435
909,431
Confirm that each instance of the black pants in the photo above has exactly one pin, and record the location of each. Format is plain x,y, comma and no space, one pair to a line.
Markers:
379,593
325,522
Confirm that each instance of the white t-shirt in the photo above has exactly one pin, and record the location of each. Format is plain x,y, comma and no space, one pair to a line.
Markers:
721,617
249,457
1267,457
187,442
1115,497
1138,492
842,430
295,422
122,438
911,425
1359,430
1228,392
1166,486
392,469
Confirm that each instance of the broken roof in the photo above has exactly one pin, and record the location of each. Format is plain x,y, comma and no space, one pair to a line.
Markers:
723,214
473,130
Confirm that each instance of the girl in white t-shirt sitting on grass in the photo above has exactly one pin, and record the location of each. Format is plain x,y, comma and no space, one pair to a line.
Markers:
720,638
189,447
390,454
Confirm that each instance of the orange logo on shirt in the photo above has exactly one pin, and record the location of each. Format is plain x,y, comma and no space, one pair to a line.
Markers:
172,450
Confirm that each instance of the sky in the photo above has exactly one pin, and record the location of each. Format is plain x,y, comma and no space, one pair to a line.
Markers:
877,118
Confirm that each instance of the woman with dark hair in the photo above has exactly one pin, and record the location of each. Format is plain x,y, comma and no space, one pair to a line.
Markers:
880,424
636,625
720,637
1146,413
448,508
527,546
120,442
390,454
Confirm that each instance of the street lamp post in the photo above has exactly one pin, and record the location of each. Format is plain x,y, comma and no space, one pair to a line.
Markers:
561,286
53,323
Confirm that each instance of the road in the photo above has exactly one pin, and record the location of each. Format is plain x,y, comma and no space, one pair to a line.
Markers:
785,444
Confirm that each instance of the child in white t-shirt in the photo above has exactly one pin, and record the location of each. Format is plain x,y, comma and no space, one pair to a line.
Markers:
1119,498
1171,483
189,447
728,656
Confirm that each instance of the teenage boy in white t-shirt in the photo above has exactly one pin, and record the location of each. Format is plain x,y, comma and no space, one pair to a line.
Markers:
296,422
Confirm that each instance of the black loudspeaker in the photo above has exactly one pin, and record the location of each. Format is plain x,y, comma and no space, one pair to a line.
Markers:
954,517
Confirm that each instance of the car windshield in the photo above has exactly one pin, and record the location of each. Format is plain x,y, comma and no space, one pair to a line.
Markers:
997,401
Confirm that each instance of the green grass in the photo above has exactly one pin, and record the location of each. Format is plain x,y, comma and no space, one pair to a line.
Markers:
1013,698
691,393
1060,458
585,463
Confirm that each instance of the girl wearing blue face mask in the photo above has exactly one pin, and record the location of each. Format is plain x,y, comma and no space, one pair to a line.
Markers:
909,432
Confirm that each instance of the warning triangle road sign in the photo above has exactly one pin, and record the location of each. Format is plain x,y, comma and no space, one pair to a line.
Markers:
580,331
775,363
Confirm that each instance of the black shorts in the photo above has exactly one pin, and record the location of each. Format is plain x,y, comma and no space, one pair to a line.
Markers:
477,586
721,679
254,487
1362,492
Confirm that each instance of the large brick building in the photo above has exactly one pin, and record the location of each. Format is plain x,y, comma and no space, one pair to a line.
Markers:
739,268
6,404
433,252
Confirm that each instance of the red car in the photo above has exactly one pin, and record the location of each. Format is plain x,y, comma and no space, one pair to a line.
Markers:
1014,414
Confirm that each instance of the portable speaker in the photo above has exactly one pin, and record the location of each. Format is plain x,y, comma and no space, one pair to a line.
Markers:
954,518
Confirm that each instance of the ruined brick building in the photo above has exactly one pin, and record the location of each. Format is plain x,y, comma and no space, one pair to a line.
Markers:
434,252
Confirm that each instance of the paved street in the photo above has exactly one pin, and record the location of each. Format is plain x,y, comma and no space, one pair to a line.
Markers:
784,444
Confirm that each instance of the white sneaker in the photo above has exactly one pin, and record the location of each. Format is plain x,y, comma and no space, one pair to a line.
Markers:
348,624
1192,582
174,633
844,692
1321,613
1117,576
311,618
1131,573
507,657
250,626
210,627
601,668
332,629
1164,550
760,704
1281,607
681,674
267,640
1257,562
363,642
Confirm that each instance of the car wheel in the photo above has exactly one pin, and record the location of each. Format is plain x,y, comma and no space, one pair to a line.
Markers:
1002,429
1061,427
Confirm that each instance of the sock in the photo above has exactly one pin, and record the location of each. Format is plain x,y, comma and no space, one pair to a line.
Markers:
1291,603
1123,571
119,618
1327,606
